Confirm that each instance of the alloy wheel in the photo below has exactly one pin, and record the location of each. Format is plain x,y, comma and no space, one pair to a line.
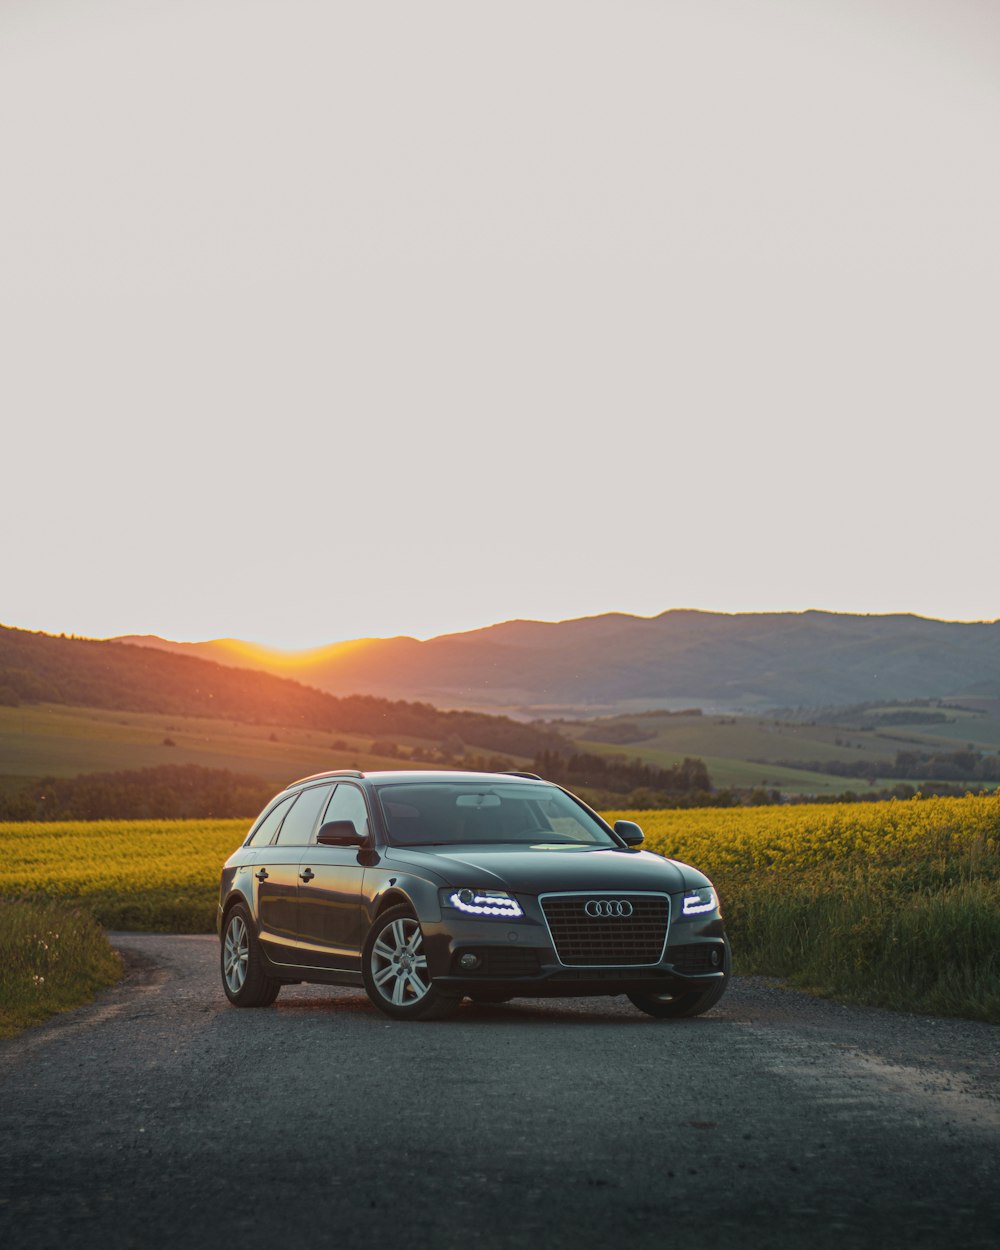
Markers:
398,964
236,954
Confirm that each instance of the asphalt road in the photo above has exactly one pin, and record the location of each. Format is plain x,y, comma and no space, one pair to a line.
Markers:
163,1116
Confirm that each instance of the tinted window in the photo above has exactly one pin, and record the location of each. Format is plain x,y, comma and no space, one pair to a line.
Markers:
301,820
266,829
348,803
486,812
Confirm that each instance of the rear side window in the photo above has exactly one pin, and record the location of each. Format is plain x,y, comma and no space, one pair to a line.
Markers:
301,820
266,829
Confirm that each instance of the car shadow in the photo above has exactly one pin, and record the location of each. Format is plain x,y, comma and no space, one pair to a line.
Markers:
516,1013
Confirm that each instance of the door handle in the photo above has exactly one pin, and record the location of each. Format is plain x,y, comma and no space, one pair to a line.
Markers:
307,875
262,875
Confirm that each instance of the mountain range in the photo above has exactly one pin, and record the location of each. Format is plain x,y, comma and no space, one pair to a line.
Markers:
614,663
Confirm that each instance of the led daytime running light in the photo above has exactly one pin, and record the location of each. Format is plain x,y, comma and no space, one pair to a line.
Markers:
695,904
486,905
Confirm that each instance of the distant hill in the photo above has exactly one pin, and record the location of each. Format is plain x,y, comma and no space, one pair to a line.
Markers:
41,668
615,663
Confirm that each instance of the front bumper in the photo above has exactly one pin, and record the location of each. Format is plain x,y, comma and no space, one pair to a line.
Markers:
518,959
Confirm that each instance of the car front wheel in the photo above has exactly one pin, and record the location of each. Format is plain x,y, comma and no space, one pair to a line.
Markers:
243,977
394,966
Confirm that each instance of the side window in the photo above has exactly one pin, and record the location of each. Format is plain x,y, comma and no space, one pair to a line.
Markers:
348,803
301,820
265,830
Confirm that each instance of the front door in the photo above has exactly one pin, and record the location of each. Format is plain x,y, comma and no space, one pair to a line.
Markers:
330,882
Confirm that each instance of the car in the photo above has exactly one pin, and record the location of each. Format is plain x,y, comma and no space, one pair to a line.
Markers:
427,887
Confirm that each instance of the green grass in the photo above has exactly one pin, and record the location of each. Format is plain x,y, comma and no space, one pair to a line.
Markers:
52,957
934,951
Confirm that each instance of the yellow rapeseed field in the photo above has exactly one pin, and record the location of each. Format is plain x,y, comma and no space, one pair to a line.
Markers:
895,903
930,840
149,874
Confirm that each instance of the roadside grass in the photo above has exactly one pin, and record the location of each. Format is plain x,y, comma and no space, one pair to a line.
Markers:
895,904
52,958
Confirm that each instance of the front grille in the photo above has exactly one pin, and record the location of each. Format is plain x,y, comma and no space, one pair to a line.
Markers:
618,941
695,958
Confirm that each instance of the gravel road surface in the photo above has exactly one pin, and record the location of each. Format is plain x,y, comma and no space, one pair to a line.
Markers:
160,1115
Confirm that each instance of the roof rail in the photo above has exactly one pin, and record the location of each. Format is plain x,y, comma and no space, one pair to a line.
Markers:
510,772
335,772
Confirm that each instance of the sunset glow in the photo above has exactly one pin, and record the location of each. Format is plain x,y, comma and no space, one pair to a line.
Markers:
254,655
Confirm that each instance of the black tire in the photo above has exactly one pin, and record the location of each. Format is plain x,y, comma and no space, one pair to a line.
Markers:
689,1003
395,970
243,977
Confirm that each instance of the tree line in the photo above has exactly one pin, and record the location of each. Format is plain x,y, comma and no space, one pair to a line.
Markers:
169,792
911,766
618,781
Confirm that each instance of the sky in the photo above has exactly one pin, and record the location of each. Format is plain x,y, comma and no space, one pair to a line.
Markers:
323,320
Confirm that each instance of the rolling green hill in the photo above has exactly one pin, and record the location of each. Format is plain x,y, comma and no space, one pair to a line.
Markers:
71,706
78,672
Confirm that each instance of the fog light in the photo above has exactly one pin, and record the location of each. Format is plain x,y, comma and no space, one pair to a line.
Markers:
469,962
715,958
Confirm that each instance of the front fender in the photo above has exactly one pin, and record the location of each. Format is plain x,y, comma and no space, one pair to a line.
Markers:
382,887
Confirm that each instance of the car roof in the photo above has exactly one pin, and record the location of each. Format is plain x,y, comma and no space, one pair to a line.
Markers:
417,776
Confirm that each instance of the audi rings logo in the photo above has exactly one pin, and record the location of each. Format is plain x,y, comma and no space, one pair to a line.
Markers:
602,908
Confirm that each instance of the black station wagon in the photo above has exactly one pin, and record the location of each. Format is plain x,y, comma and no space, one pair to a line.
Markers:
427,887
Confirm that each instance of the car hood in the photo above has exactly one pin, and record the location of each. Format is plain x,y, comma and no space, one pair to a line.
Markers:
538,869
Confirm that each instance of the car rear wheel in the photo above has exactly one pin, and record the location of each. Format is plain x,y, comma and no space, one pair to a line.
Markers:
687,1003
394,967
243,976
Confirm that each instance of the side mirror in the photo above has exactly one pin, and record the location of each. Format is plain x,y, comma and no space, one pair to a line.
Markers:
339,833
629,832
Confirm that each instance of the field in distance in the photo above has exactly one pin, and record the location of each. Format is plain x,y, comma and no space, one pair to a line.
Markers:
776,752
39,740
50,740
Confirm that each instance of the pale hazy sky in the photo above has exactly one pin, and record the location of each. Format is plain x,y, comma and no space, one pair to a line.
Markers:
325,319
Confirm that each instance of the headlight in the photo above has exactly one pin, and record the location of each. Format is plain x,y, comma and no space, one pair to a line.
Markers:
485,903
698,901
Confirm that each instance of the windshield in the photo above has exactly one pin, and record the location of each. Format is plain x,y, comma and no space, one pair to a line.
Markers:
440,814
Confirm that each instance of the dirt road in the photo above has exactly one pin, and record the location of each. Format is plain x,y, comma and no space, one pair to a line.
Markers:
163,1116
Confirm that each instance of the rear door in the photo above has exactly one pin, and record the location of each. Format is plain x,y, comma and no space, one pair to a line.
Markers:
274,880
276,870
